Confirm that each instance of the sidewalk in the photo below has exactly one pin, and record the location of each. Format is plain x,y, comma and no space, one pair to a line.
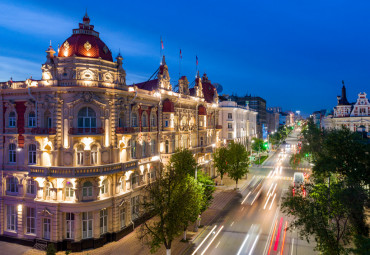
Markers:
131,245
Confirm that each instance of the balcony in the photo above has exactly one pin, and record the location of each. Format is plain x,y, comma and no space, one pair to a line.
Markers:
86,131
43,131
84,171
125,130
218,126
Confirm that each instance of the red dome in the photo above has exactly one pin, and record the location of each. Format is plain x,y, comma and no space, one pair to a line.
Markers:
85,42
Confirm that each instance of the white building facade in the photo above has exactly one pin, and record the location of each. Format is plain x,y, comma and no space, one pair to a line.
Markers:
238,123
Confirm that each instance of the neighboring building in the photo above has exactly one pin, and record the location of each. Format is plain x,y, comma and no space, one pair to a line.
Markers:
275,109
238,122
272,121
289,118
78,146
355,116
258,104
317,117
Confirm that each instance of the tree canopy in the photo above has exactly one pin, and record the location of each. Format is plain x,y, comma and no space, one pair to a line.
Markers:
238,161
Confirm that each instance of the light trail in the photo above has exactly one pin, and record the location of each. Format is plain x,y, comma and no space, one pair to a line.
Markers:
278,234
254,244
292,246
218,232
204,240
218,244
274,189
232,223
241,247
272,201
282,247
268,192
246,197
269,174
256,197
266,202
272,238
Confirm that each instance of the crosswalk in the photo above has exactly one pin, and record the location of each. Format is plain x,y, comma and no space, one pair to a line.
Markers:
285,178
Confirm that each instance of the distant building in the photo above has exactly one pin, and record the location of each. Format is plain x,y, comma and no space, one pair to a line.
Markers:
258,104
289,119
355,116
238,122
272,119
275,109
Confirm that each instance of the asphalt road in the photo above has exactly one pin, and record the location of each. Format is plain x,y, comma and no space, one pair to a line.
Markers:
253,223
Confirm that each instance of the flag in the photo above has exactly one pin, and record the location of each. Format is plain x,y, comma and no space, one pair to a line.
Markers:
180,54
196,58
162,44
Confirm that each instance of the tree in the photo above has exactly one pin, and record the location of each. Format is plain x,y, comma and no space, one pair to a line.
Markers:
173,200
220,161
238,161
324,212
50,250
258,145
208,189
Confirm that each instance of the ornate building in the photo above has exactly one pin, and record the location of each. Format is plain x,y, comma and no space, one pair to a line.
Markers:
355,116
78,146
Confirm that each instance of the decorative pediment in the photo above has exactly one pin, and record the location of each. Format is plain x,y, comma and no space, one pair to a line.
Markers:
123,202
87,97
46,213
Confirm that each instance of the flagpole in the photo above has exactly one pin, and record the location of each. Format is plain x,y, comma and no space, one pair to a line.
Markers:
160,50
180,56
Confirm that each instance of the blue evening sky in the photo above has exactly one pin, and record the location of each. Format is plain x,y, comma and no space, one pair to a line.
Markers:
292,53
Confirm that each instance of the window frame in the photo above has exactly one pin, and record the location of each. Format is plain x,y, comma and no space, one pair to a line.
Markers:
87,221
12,153
103,221
11,218
32,159
70,225
30,220
12,120
31,119
87,191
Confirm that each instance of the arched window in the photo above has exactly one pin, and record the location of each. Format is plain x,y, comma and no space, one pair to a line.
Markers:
12,153
144,122
134,119
153,121
80,155
152,147
69,192
104,187
86,118
167,147
133,148
87,190
94,155
135,179
121,119
31,154
32,119
12,121
47,189
12,184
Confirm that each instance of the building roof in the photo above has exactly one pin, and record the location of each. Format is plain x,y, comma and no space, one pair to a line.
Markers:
85,42
148,85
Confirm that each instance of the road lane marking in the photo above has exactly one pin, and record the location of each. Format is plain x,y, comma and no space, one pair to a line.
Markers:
246,197
218,244
268,192
232,224
218,232
204,240
278,235
282,247
254,244
272,201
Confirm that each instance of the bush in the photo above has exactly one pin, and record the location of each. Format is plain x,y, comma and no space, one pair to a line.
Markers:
50,250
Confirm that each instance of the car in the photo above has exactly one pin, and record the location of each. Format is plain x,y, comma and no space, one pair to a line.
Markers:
298,182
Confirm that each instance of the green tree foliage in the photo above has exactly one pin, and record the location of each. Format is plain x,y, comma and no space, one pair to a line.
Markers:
258,145
183,162
238,161
220,161
295,160
208,188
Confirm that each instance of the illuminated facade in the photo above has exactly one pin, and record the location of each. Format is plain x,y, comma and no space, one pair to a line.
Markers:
355,116
239,123
78,146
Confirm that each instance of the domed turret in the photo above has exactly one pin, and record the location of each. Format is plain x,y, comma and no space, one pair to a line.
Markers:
85,42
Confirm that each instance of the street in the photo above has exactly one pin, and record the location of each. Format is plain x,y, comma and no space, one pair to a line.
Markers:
253,223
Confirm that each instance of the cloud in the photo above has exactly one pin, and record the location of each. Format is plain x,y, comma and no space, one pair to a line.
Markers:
18,68
32,20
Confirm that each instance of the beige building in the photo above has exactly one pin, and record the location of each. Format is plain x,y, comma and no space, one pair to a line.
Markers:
239,123
78,146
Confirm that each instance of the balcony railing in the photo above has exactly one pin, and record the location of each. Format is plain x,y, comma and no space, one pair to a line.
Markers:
83,131
125,130
85,171
43,131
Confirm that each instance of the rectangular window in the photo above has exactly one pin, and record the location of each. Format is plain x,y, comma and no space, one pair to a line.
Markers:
80,158
87,221
31,157
166,123
70,225
11,122
31,188
103,221
135,202
94,157
11,218
31,121
134,181
50,123
152,147
230,116
122,217
46,228
31,221
230,125
229,135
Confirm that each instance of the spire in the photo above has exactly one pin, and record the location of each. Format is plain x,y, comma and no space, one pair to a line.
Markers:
49,53
343,99
86,19
163,61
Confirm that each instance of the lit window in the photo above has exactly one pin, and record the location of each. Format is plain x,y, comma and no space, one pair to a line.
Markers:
104,187
69,192
80,155
122,217
87,190
87,118
133,148
134,119
167,147
94,155
12,184
46,228
153,120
